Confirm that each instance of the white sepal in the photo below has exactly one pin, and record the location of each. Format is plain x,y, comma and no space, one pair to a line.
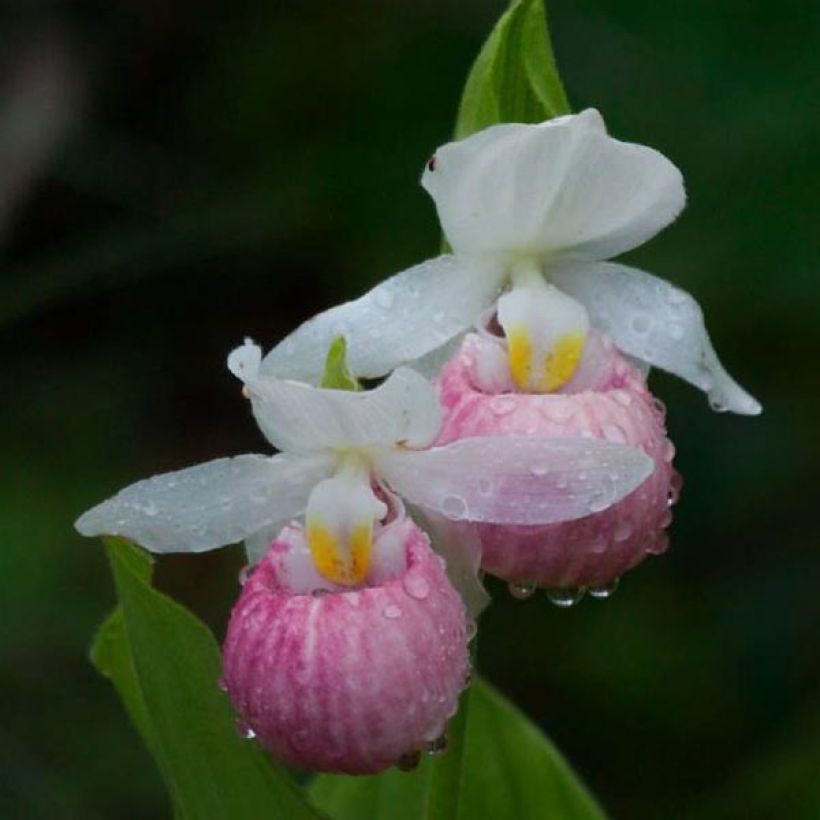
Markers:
398,321
208,505
516,479
652,320
563,187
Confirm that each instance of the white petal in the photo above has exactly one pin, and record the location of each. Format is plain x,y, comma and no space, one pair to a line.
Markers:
209,505
457,542
516,479
561,187
398,321
299,418
654,321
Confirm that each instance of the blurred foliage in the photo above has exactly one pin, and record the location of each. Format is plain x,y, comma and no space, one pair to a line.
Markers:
235,166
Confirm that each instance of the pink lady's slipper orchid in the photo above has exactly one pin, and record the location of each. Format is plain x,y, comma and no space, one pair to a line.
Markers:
532,212
347,648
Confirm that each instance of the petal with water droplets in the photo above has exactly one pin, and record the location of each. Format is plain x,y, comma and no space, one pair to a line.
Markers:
209,505
398,321
654,321
516,479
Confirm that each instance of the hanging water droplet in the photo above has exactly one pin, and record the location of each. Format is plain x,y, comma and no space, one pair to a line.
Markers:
437,746
391,612
717,404
565,596
244,574
472,628
599,502
657,544
416,586
659,406
521,590
668,451
408,761
454,506
539,470
384,298
623,529
244,730
221,683
605,590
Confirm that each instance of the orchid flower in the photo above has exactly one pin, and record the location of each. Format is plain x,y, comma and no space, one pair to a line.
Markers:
344,455
532,213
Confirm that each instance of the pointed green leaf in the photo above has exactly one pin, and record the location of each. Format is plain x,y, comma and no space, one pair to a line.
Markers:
499,766
337,375
165,665
514,77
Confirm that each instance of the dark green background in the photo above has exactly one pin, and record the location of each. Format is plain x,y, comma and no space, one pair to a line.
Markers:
237,166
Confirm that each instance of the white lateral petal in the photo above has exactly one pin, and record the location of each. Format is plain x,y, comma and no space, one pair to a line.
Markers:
299,418
397,321
209,505
516,479
560,187
654,321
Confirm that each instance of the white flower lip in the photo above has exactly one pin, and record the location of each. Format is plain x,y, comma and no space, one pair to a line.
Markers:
503,480
566,194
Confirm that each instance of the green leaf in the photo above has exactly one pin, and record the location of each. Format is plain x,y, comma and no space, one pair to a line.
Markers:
165,665
499,765
337,375
514,77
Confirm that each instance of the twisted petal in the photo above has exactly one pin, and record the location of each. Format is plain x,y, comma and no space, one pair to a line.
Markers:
561,187
654,321
516,479
397,321
296,417
209,505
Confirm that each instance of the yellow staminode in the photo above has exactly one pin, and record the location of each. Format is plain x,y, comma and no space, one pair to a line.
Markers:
345,564
557,367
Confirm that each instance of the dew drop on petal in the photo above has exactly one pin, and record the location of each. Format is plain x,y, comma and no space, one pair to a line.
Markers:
454,507
244,573
539,470
668,451
623,529
391,612
605,590
565,597
599,502
150,509
472,629
641,323
521,590
622,397
244,730
416,586
658,544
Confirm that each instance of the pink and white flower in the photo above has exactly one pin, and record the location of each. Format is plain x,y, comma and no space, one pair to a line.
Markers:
532,213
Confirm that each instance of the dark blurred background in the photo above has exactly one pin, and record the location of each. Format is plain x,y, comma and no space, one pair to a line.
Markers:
175,175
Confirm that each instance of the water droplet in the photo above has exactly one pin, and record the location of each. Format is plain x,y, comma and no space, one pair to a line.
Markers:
539,470
437,746
605,590
613,433
384,298
416,587
502,405
521,590
622,397
641,324
565,596
599,502
472,628
675,330
408,761
668,451
244,574
658,544
454,506
391,612
244,730
221,683
717,404
623,529
659,406
150,509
